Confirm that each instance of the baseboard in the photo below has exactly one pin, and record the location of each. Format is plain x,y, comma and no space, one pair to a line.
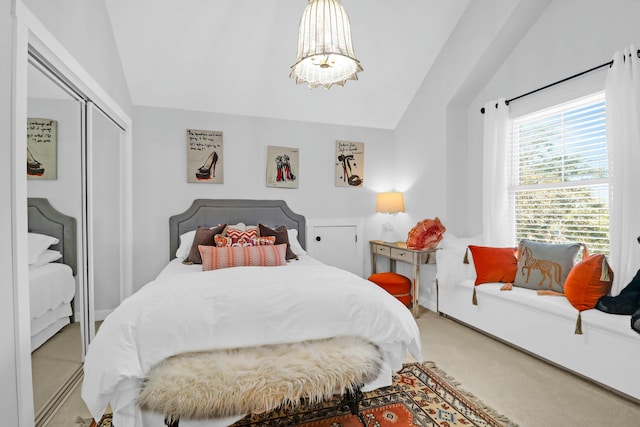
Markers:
99,315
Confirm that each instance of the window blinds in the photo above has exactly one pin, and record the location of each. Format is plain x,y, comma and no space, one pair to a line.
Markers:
559,187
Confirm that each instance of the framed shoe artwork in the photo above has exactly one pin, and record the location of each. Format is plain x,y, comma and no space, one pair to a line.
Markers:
349,164
282,167
42,149
204,156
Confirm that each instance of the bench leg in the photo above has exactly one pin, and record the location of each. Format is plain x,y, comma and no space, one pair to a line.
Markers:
352,399
170,422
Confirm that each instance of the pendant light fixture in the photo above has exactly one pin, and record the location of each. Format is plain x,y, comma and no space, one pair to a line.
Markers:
325,52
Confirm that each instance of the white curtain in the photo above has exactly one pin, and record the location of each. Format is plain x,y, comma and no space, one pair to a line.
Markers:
623,143
497,224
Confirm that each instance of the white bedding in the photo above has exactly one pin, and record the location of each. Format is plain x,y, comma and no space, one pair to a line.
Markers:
186,309
51,289
49,286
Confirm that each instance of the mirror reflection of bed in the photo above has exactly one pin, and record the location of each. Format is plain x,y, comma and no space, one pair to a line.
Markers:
55,334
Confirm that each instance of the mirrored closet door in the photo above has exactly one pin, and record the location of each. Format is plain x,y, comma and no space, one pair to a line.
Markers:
54,175
75,173
105,185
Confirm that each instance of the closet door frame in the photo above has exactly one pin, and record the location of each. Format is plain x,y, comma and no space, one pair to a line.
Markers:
30,34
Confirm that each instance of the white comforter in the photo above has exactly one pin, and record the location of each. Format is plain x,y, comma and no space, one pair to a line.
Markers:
49,286
237,307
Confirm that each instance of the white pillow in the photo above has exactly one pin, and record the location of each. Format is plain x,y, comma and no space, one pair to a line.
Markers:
296,247
451,267
38,243
45,258
242,226
186,241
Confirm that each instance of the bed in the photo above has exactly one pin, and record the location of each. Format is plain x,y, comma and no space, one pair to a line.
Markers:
187,310
52,285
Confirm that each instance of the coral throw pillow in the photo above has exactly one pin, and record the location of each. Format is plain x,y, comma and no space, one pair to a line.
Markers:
214,258
494,264
588,281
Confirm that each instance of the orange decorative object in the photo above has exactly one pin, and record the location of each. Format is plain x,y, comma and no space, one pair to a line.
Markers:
426,234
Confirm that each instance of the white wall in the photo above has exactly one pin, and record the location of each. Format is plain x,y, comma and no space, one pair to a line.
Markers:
84,29
429,141
571,36
160,186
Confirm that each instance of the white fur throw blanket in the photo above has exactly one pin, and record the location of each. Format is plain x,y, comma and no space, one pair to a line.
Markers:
222,383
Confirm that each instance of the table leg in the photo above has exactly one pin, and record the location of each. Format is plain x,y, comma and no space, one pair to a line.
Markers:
373,262
437,297
416,290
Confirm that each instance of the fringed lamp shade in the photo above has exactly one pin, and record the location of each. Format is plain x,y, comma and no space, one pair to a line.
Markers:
325,52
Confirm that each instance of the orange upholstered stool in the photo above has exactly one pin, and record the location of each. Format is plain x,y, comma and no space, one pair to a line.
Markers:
397,285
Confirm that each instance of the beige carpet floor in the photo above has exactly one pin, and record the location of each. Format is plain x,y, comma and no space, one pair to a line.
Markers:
55,362
530,392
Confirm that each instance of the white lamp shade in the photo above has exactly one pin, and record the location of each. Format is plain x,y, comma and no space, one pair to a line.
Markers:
390,202
325,53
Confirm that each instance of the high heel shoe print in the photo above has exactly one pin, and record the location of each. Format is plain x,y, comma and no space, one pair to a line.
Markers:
34,167
351,179
205,171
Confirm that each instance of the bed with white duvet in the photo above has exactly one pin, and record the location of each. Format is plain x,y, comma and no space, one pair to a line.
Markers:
52,268
186,309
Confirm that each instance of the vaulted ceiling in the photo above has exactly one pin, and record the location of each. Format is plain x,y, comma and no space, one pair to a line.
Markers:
234,56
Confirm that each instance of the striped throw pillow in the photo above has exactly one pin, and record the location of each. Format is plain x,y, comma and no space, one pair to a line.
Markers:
214,258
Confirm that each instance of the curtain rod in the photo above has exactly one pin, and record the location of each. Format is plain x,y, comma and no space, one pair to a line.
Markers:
559,81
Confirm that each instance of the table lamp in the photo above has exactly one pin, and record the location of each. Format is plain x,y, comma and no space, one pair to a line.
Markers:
389,203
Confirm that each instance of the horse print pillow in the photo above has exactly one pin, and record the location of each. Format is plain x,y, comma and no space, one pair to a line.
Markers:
545,265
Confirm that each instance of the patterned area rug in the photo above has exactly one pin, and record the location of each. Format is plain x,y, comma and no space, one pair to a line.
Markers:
421,395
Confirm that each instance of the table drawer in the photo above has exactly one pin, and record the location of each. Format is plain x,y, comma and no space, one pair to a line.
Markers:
381,250
401,255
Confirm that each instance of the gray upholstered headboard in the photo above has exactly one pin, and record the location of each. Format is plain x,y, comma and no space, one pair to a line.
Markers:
45,219
211,212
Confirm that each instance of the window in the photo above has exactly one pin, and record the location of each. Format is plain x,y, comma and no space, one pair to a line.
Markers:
559,180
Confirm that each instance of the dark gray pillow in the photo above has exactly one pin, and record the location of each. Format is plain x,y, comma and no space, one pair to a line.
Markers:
204,236
281,236
545,265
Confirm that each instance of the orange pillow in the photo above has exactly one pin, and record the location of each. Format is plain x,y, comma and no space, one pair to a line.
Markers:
494,264
214,258
588,281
